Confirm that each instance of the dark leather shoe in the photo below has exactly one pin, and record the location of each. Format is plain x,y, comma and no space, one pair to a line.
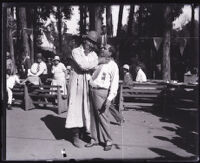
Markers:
107,147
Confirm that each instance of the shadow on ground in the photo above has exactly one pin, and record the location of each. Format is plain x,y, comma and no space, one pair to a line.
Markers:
186,131
57,126
169,156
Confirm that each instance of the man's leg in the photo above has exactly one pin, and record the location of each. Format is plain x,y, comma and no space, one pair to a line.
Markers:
116,114
99,97
10,96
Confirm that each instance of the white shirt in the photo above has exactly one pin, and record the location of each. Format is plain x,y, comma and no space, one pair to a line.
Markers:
59,71
85,62
107,76
11,80
141,77
37,69
42,68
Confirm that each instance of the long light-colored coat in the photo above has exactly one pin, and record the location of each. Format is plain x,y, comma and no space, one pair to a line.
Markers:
78,114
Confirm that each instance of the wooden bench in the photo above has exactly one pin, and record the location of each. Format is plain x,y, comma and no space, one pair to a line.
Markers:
183,97
36,95
142,95
18,95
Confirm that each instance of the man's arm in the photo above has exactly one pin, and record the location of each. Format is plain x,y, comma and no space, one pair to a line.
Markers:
83,63
114,82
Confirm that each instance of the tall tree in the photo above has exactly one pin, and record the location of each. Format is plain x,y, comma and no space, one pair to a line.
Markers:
59,17
23,27
119,26
98,19
109,21
81,19
130,21
10,37
95,14
91,17
166,72
83,16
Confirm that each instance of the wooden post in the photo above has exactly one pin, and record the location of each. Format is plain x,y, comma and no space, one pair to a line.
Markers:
121,105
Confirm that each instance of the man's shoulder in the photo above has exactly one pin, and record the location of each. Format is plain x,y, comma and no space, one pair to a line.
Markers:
112,62
77,49
93,53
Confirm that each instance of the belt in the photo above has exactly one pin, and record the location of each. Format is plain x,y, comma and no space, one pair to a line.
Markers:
96,87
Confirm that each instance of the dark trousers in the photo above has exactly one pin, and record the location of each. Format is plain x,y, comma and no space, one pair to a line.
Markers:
100,123
43,78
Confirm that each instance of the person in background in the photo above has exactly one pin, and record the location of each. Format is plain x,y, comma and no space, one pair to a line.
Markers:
127,76
11,80
41,68
104,85
32,78
9,63
59,72
25,65
141,76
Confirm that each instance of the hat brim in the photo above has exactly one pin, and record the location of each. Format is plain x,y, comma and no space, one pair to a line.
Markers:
56,59
88,38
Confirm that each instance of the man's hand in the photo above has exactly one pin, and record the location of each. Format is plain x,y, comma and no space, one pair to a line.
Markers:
106,106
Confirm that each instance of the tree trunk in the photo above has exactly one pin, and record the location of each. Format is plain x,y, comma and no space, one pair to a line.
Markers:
59,28
140,21
130,21
32,36
92,17
192,29
30,22
98,19
23,26
166,72
81,19
10,37
109,21
120,19
84,19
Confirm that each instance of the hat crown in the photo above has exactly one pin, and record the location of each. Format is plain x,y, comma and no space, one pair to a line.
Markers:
92,35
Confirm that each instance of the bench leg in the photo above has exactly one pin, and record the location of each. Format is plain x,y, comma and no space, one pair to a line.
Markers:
28,101
62,103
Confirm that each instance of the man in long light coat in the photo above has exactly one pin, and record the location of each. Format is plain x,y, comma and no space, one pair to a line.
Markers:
84,59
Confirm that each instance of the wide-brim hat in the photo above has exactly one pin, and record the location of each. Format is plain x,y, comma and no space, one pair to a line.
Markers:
56,58
92,36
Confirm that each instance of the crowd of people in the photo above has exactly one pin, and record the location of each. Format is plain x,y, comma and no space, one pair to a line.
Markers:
93,82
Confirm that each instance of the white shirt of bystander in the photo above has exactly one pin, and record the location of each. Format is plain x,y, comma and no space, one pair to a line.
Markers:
141,77
12,80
